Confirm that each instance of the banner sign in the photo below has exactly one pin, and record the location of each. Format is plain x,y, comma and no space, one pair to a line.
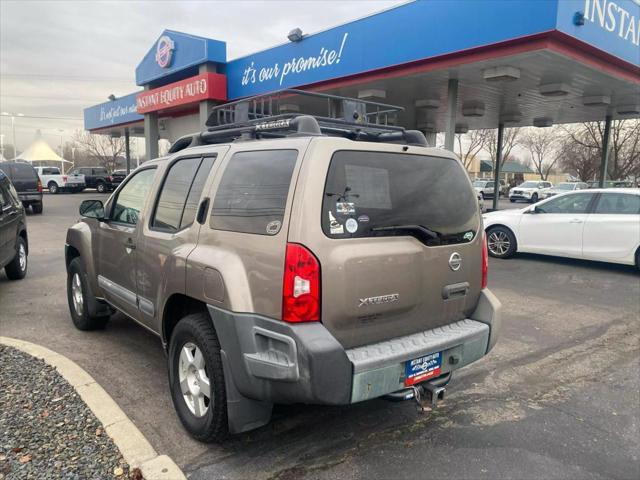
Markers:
175,52
206,86
118,112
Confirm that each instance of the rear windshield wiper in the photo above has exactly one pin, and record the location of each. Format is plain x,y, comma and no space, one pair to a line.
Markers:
411,229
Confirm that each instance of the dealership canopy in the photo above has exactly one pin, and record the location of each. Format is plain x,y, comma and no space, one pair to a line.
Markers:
453,65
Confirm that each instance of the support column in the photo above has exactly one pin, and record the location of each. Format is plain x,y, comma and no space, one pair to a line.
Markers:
205,106
151,135
605,151
452,108
127,149
496,172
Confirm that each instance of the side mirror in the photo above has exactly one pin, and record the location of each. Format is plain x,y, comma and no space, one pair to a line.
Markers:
92,209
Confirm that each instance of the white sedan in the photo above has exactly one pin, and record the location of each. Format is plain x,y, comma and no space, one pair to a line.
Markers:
596,224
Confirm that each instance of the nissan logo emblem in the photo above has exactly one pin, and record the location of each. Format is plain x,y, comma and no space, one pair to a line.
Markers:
455,261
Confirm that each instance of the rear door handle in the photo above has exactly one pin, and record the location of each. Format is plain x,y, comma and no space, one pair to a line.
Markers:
202,211
129,244
575,220
455,290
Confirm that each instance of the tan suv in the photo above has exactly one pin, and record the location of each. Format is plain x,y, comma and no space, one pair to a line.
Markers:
281,262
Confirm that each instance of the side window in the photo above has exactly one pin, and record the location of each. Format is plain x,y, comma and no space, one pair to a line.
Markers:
182,186
618,203
253,192
4,195
193,200
130,200
573,203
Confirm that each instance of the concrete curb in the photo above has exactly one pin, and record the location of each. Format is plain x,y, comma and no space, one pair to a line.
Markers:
135,448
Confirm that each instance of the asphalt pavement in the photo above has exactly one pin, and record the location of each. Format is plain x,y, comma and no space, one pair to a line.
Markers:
559,396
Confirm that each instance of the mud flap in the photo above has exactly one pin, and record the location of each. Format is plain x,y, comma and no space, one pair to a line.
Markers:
243,413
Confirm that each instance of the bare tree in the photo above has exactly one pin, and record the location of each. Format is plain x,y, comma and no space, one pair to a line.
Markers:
102,149
578,160
469,145
542,144
624,155
511,139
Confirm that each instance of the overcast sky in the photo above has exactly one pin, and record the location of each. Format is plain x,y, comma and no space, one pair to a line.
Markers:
57,57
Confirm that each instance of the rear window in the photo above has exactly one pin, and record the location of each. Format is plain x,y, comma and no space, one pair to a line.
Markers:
21,172
253,192
367,191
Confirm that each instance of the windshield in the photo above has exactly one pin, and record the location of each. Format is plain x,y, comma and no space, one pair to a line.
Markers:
366,191
529,185
565,186
479,183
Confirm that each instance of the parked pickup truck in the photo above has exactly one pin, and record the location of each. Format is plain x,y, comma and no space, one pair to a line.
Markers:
59,182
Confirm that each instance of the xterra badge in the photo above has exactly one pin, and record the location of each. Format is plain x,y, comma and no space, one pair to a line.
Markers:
392,297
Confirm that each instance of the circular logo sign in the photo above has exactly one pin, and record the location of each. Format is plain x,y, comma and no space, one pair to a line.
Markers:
351,225
455,261
164,51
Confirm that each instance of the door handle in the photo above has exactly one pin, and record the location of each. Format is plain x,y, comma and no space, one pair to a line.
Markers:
202,211
129,244
575,220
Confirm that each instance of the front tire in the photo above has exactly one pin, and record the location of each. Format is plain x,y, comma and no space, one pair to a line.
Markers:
36,207
196,378
53,188
534,198
501,242
512,200
78,298
101,187
17,268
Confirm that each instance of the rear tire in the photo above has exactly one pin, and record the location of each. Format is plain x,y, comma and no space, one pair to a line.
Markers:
205,418
53,188
17,268
501,242
512,200
78,299
101,187
36,207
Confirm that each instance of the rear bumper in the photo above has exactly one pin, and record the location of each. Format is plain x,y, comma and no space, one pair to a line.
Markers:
273,361
29,198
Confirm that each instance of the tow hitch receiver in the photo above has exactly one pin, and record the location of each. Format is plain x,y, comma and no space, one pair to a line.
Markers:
426,395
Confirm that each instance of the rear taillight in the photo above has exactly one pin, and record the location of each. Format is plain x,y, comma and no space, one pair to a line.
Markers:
485,262
301,285
39,186
109,179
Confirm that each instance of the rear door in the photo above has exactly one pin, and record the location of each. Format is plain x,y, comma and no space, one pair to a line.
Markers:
24,178
8,222
612,231
382,274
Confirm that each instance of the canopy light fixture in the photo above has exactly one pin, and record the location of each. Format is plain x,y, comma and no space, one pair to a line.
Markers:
513,117
372,93
596,100
462,128
501,74
542,122
628,109
428,127
473,109
289,108
428,103
554,89
295,35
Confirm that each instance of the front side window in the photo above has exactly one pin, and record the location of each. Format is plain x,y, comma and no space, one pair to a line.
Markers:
253,192
529,185
577,203
618,203
371,194
180,193
4,195
130,200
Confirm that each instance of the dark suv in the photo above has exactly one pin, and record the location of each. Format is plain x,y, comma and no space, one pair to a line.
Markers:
13,231
96,177
27,183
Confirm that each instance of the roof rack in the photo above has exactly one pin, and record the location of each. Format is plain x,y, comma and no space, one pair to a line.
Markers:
277,115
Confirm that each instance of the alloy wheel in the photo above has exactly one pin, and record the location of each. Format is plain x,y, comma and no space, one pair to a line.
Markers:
498,243
22,258
76,294
194,380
